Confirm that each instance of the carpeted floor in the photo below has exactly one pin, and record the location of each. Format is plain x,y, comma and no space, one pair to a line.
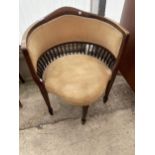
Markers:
109,129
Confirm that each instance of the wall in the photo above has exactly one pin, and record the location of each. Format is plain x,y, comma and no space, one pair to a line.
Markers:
114,9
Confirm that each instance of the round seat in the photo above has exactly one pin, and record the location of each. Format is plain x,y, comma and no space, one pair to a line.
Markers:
78,79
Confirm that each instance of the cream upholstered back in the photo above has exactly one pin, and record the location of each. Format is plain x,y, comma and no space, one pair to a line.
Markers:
69,28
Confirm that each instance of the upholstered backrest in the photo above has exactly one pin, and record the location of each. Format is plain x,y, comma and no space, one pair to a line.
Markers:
68,28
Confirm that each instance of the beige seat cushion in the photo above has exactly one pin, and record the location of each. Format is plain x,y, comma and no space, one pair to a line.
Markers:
78,79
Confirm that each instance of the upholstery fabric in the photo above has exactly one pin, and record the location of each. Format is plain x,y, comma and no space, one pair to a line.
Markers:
78,79
68,28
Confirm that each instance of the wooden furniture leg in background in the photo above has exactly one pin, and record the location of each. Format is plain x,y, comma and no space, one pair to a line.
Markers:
20,105
23,81
21,78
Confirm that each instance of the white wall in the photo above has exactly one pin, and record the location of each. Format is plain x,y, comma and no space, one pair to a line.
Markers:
114,9
94,6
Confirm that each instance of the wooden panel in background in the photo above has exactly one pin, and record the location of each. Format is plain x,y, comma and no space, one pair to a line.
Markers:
127,64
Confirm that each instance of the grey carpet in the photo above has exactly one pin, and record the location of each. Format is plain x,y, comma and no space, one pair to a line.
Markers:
109,129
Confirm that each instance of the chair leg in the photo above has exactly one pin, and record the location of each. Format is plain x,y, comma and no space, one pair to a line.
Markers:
105,99
46,98
84,114
21,78
20,105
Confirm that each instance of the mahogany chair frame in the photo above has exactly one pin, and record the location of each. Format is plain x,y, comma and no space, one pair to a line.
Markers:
46,57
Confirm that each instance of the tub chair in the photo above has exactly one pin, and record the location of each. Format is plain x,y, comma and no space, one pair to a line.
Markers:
74,55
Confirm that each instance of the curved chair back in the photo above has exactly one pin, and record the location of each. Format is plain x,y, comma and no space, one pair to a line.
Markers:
71,25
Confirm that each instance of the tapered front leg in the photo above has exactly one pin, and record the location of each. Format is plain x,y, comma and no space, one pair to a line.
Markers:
105,99
46,98
84,114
